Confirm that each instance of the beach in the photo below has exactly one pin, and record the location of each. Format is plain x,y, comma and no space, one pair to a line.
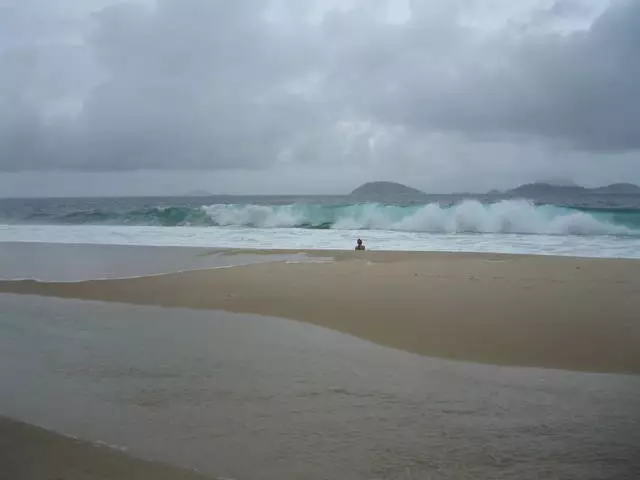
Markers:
553,312
319,240
235,364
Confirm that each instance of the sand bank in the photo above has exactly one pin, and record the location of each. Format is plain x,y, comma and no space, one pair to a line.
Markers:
555,312
32,453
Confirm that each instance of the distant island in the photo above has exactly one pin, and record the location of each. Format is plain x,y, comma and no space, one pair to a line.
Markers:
543,188
620,188
540,188
385,188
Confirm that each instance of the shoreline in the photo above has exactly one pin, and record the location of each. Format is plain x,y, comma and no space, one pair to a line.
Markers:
205,251
30,452
393,255
520,310
50,262
301,240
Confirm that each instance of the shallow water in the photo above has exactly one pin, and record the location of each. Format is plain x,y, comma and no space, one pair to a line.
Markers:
72,263
248,397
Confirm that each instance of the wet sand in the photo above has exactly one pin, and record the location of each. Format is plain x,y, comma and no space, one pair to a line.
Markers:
243,396
31,453
50,262
553,312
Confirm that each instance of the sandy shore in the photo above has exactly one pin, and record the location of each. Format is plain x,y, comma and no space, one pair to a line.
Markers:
568,313
32,453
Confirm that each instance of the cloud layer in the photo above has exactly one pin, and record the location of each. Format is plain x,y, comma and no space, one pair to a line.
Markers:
250,84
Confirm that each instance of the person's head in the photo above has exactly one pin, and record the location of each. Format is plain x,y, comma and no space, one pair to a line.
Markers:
359,242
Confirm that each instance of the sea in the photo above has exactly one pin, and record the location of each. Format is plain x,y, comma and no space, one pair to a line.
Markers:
587,225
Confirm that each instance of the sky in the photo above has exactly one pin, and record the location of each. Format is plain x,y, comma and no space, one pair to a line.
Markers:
144,97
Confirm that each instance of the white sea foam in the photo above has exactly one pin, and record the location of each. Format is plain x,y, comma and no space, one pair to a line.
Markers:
265,216
298,238
509,216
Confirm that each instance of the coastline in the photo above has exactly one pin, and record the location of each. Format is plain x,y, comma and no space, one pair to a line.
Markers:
521,310
28,452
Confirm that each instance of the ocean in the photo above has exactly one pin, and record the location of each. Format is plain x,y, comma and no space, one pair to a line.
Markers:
589,225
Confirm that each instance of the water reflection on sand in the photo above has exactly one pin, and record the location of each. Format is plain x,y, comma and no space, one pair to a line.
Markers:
249,397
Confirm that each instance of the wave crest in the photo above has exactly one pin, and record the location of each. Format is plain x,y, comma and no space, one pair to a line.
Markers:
470,216
508,216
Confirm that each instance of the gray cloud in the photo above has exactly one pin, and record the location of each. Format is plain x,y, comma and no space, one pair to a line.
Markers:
196,84
580,89
217,85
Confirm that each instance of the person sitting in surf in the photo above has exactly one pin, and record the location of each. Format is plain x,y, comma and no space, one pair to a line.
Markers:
360,245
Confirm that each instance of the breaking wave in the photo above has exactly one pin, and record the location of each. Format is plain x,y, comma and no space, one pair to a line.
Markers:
509,216
471,216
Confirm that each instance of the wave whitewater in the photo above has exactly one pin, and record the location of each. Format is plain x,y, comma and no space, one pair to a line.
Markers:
471,216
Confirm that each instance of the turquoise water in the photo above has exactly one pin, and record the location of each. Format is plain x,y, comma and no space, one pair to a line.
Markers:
448,215
592,226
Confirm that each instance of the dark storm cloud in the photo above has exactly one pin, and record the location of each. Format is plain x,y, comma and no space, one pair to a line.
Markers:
212,84
193,84
582,89
197,83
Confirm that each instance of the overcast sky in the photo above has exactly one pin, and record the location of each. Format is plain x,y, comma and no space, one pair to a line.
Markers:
99,97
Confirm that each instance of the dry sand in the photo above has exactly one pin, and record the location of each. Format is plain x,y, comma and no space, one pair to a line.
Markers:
31,453
568,313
